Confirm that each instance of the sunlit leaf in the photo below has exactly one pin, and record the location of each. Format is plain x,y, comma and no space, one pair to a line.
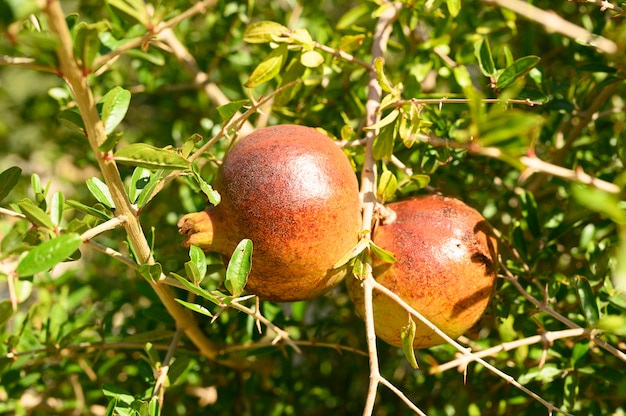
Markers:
407,334
268,68
228,110
516,71
150,157
100,191
196,308
115,104
48,254
35,214
264,32
384,255
454,7
239,268
57,206
482,50
151,272
387,186
311,59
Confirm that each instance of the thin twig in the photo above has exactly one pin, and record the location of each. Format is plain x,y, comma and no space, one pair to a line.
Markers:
12,213
368,194
555,23
96,135
343,55
159,385
281,334
542,306
606,5
101,228
200,78
446,100
199,7
465,351
547,337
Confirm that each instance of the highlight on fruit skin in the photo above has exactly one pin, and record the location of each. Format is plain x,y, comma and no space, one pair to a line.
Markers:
292,191
446,269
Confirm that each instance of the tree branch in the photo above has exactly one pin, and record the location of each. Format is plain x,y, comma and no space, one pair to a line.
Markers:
96,135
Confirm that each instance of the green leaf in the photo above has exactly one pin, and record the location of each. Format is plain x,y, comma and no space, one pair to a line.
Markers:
35,214
89,210
269,68
599,201
516,71
48,254
361,245
482,50
382,254
57,205
387,186
227,111
382,147
383,81
454,7
72,119
311,59
509,128
115,104
587,300
613,324
138,182
193,273
151,272
6,311
529,213
407,334
87,42
198,258
350,43
150,157
8,179
100,191
196,308
213,196
133,8
239,268
196,290
422,180
264,32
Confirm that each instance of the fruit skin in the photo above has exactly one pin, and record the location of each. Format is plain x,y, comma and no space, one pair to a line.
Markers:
292,191
446,269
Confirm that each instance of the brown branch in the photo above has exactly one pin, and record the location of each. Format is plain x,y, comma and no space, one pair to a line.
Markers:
555,23
199,7
368,192
96,135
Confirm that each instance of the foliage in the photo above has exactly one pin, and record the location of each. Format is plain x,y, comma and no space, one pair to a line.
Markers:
110,134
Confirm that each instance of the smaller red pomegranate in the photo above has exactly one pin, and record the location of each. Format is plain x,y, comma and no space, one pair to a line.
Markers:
446,269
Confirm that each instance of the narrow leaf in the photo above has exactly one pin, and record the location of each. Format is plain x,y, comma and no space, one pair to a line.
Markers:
482,50
387,186
196,290
150,157
228,110
196,308
454,7
72,119
516,71
239,268
114,107
35,214
199,259
382,254
350,43
89,210
382,147
138,181
268,68
100,191
407,335
213,196
57,205
8,179
355,251
48,254
264,32
587,300
383,81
